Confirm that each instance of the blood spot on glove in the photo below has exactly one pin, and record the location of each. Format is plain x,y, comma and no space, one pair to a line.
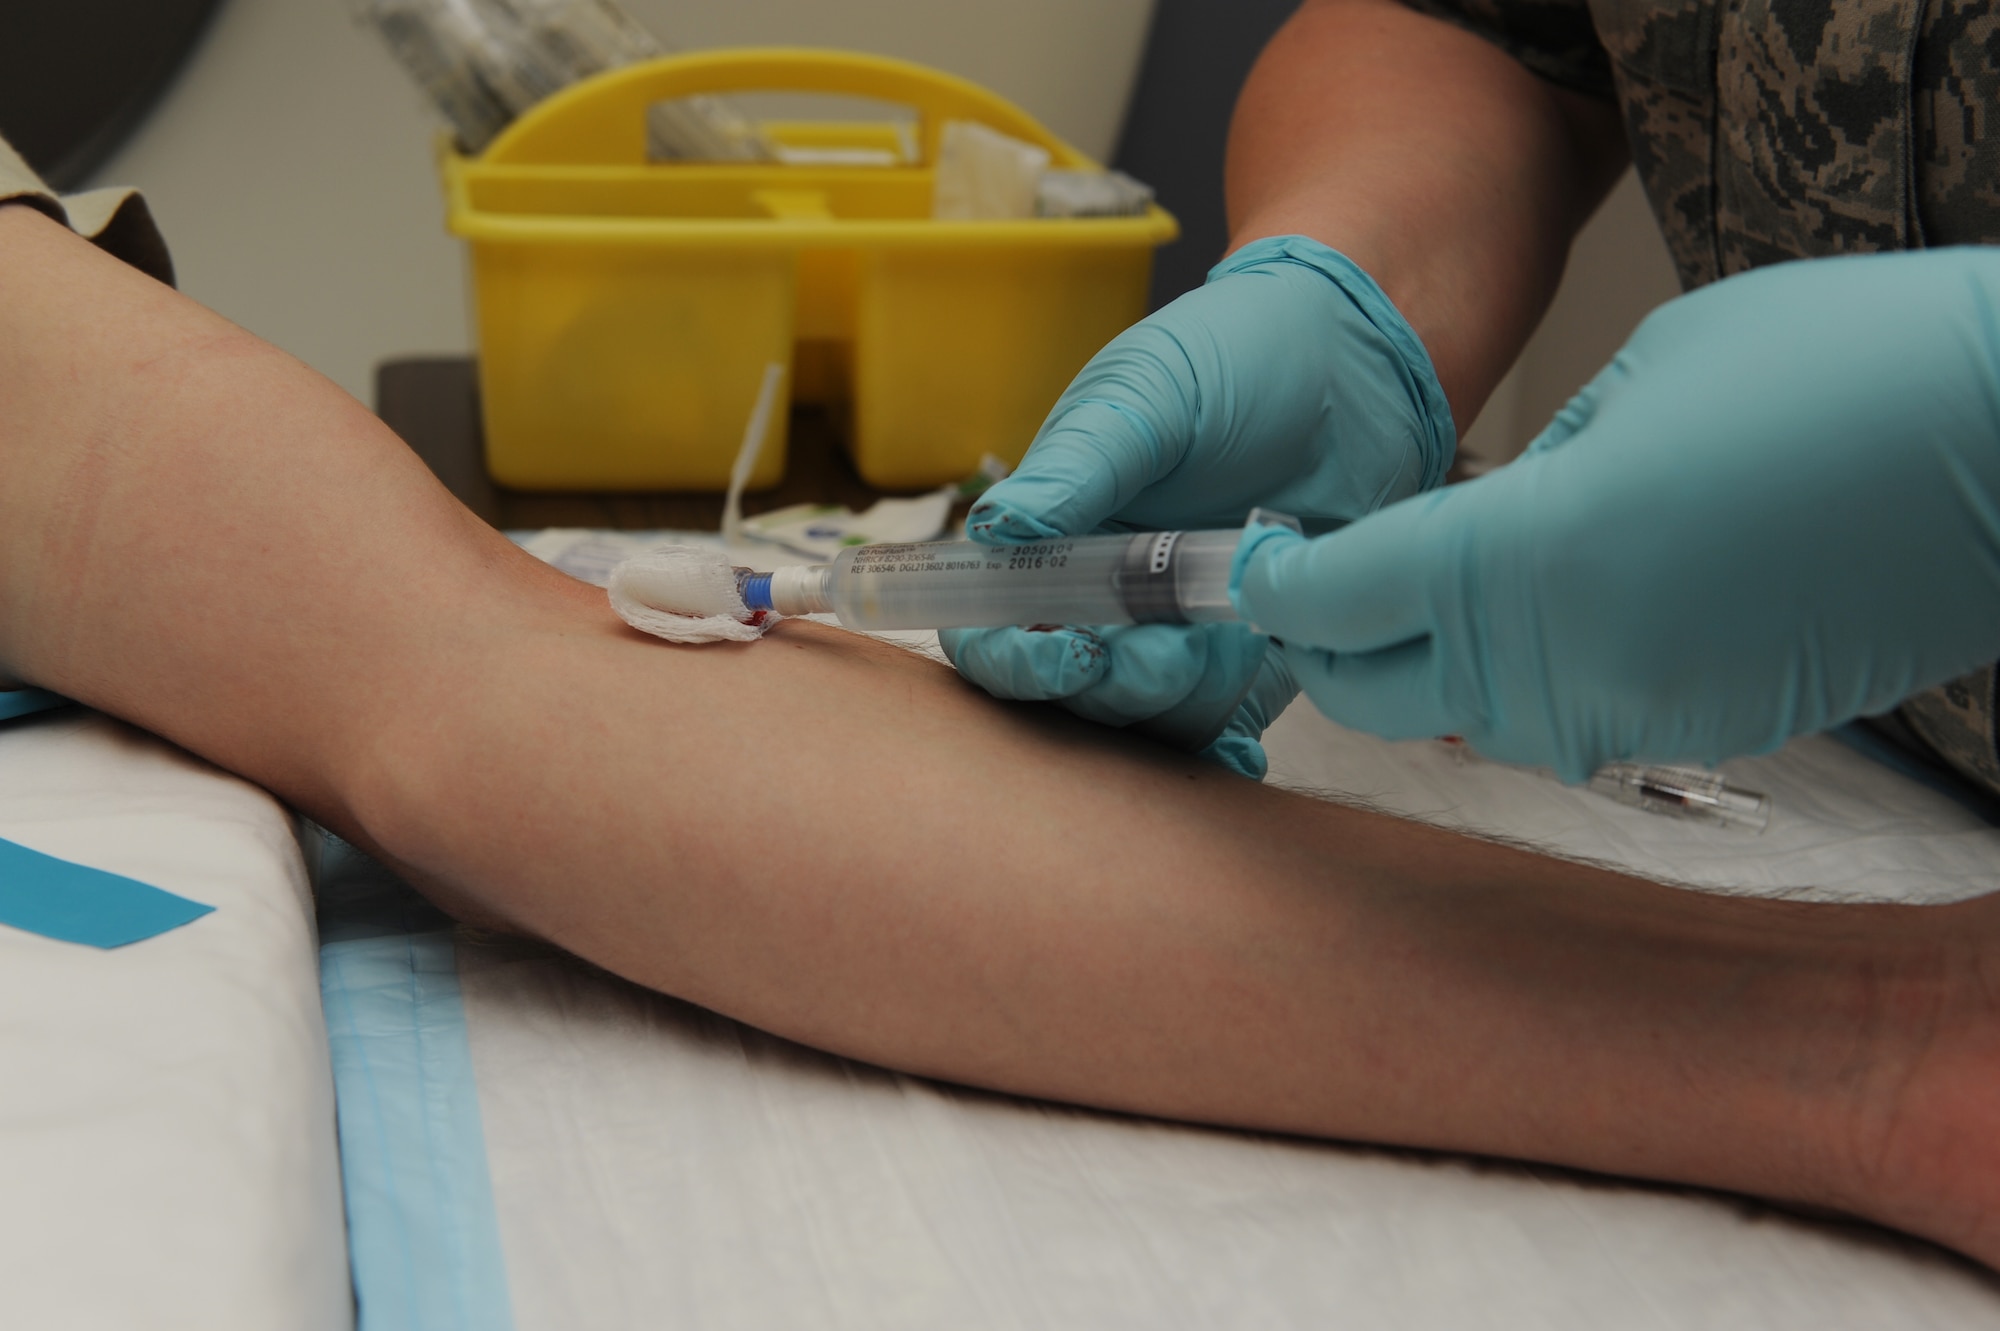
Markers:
1088,651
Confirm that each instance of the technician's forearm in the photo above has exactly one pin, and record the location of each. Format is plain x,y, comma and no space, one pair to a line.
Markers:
1434,160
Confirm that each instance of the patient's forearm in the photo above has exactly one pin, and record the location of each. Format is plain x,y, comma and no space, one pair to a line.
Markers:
850,849
187,515
835,840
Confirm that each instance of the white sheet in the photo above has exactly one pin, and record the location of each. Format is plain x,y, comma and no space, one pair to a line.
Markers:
1842,826
167,1154
655,1166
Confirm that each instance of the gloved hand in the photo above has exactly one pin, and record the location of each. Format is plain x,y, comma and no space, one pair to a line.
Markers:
1288,380
1777,509
1208,688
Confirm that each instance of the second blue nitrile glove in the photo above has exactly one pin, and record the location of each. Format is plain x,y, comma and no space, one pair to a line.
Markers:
1777,509
1288,381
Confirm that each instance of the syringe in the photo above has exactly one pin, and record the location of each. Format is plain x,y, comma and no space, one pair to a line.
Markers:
1165,577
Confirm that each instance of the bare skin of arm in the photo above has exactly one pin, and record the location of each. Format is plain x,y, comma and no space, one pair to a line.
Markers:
1434,160
836,841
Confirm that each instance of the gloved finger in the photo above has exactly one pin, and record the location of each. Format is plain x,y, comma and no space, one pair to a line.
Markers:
1240,745
1363,588
1396,693
1121,427
1273,692
1152,668
1241,754
1234,662
1030,665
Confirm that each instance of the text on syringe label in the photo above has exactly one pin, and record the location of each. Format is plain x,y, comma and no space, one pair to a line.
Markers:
924,559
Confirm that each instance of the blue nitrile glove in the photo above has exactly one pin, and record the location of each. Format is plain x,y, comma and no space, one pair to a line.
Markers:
1288,381
1208,688
1778,508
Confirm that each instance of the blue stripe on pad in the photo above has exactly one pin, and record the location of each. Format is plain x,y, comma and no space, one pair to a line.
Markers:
78,904
422,1234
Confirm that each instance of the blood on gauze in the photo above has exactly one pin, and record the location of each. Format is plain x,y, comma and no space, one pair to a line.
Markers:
688,576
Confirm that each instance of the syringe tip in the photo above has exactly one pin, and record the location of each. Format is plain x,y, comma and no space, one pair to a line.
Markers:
754,588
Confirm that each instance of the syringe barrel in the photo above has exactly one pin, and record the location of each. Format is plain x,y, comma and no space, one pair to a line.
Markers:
1146,577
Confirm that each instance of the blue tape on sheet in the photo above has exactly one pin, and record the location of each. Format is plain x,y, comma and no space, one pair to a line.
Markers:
78,904
26,702
422,1234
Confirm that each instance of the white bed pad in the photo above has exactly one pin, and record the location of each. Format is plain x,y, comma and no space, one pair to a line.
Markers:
655,1166
167,1155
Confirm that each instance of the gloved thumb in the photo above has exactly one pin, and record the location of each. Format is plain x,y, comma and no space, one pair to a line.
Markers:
1355,611
1359,589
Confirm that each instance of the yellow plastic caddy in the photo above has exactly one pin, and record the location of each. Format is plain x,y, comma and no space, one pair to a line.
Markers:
627,308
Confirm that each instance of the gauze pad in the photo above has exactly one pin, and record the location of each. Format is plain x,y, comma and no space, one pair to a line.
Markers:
685,593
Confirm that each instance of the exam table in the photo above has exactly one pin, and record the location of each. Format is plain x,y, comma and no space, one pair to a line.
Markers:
167,1147
528,1142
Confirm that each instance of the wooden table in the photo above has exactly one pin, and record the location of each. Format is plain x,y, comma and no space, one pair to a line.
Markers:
433,403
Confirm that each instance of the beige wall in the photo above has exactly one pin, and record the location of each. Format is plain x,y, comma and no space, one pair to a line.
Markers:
1618,270
290,164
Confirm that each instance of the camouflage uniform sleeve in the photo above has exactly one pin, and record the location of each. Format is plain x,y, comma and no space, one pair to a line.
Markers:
1958,721
1554,38
117,221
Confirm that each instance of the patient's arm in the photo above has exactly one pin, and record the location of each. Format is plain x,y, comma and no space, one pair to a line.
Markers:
832,839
